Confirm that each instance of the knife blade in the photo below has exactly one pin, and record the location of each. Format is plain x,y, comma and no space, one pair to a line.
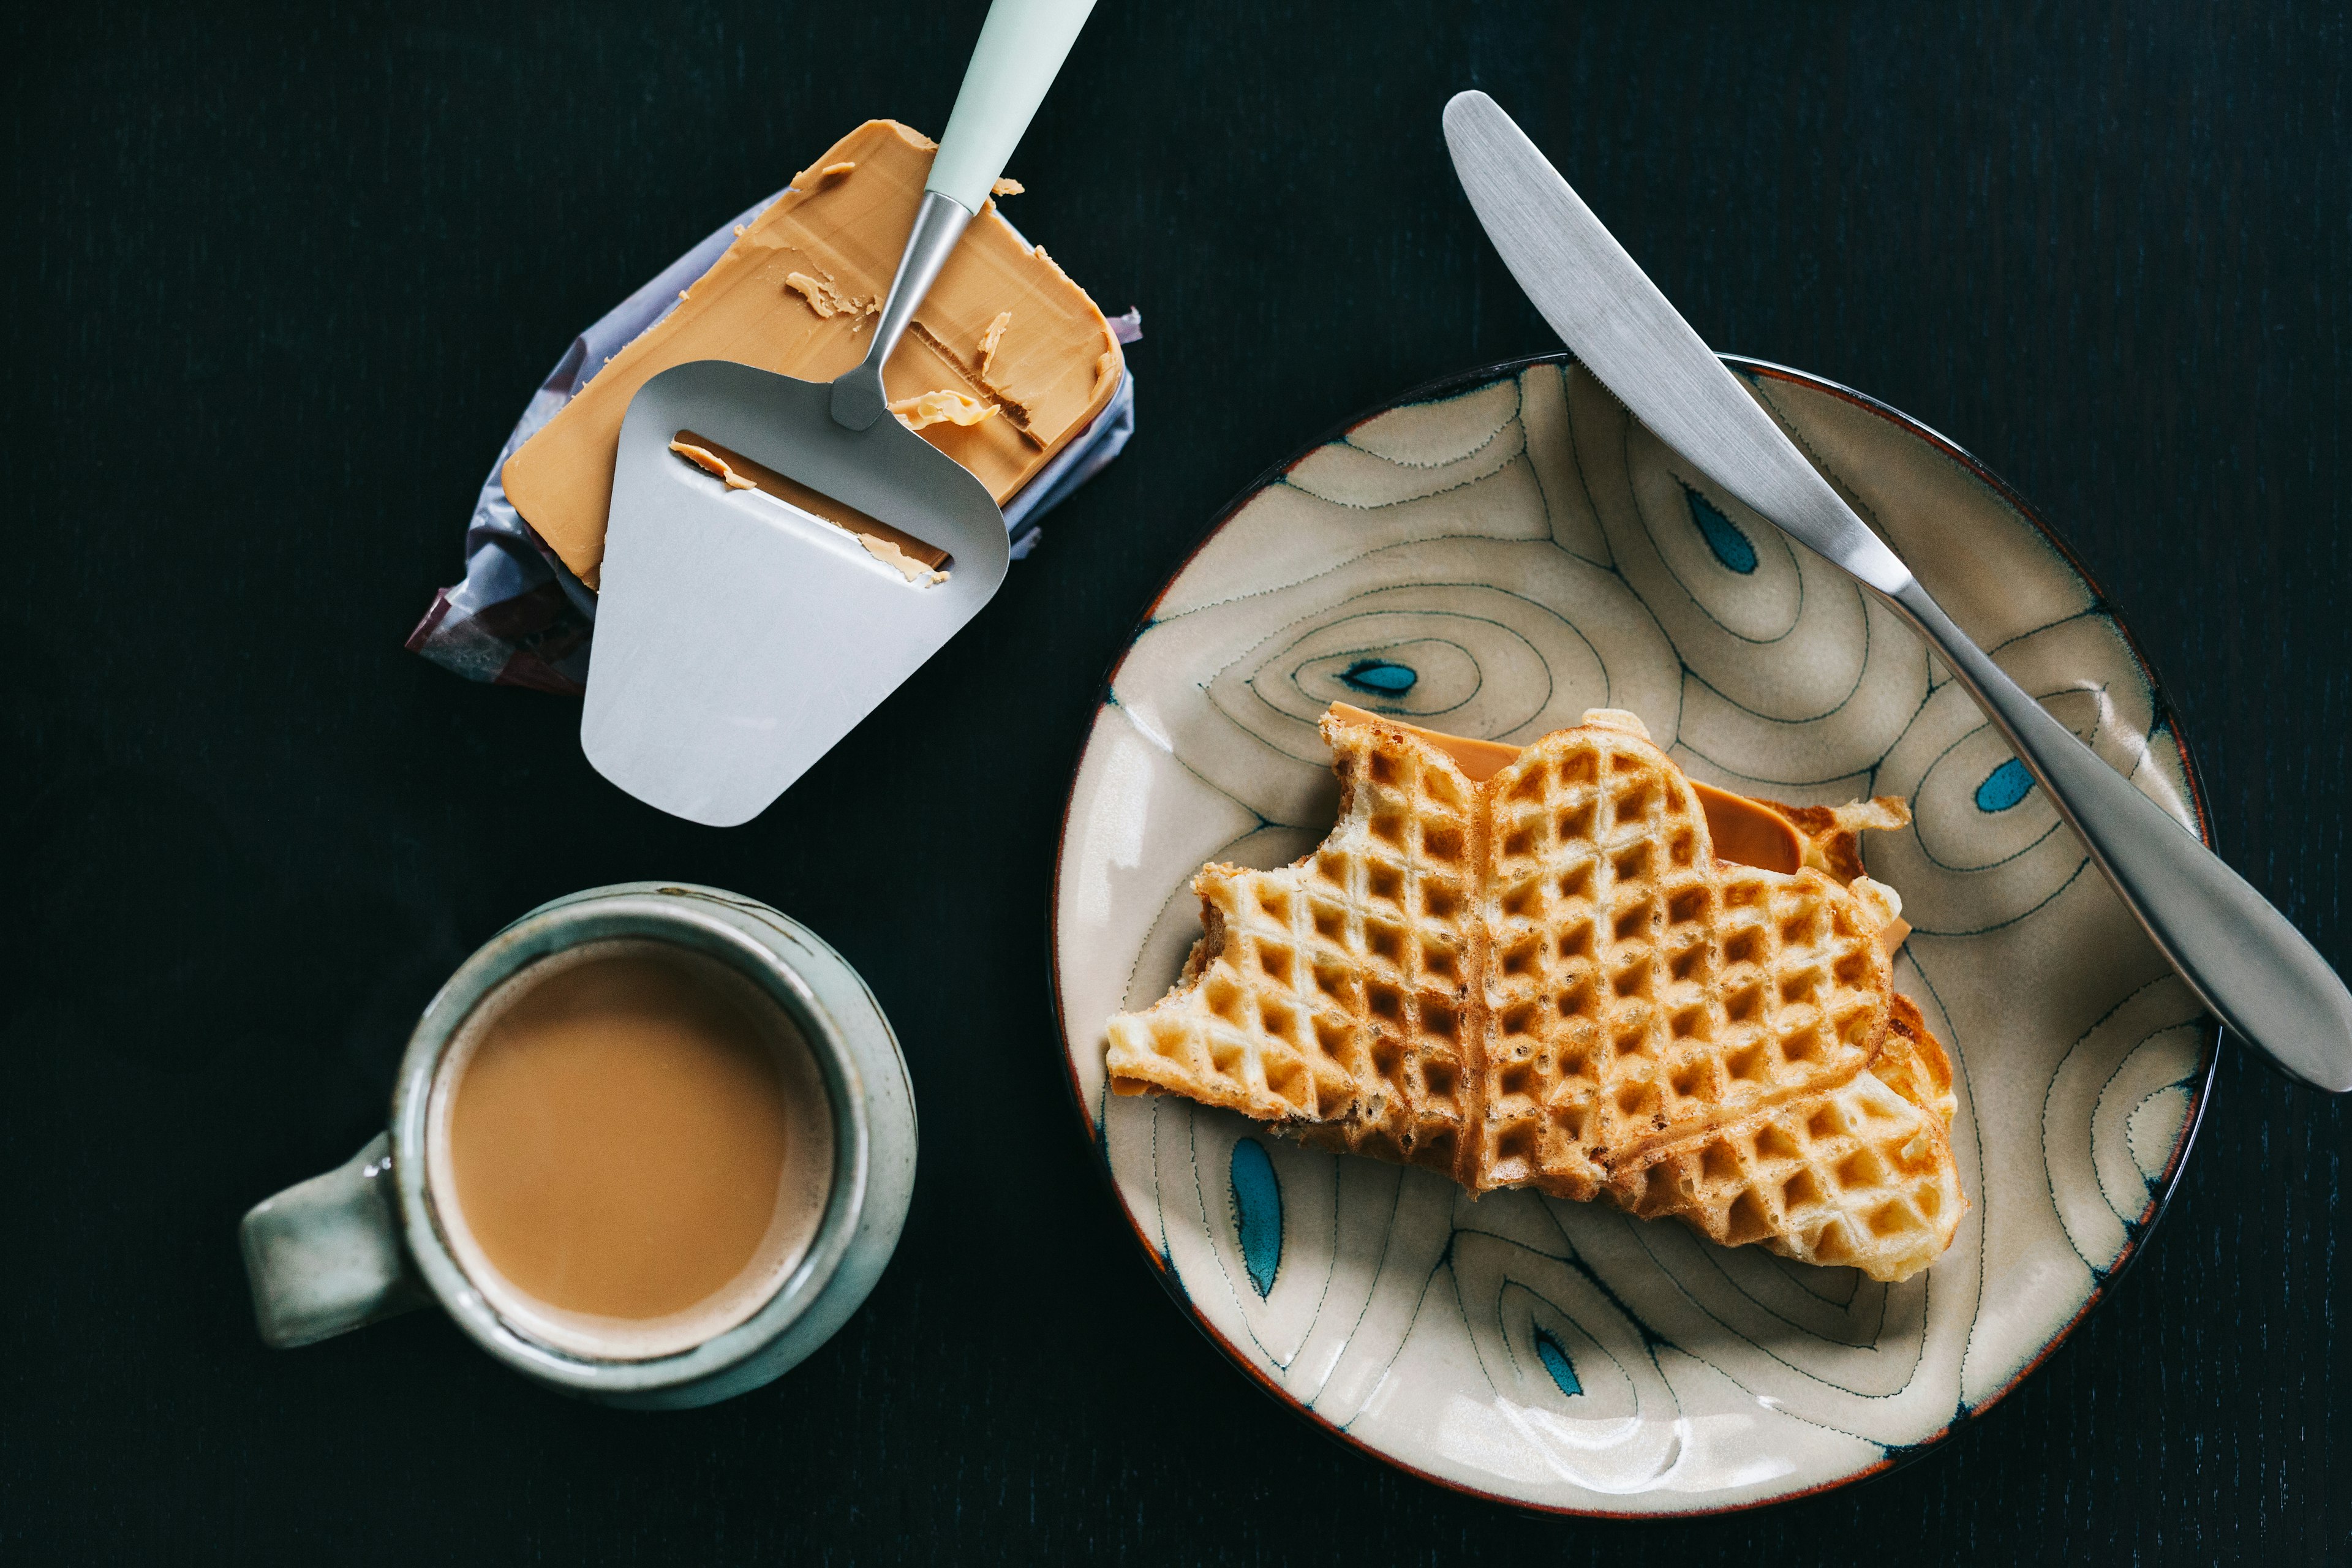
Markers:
1622,327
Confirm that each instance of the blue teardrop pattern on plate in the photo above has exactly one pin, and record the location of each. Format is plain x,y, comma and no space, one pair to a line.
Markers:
2004,787
1258,1213
1554,1357
1379,678
1731,547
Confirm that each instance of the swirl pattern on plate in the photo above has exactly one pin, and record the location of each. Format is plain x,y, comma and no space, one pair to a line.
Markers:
1494,560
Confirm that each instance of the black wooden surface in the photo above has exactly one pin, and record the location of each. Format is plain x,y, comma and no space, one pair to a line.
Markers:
278,280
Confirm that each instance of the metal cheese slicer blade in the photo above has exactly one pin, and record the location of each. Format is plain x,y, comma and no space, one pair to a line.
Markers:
739,634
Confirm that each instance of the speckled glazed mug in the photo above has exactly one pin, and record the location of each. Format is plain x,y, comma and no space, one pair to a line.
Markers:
366,1240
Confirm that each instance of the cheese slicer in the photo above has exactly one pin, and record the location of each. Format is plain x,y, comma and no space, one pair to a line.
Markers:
739,635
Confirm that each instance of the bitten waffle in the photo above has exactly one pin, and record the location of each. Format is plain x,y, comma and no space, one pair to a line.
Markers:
1546,978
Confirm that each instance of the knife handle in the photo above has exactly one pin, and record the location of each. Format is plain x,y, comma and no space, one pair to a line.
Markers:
2249,965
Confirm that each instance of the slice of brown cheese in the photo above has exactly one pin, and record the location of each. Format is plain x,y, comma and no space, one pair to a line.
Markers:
798,292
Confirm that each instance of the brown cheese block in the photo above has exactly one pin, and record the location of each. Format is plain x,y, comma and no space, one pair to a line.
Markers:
798,292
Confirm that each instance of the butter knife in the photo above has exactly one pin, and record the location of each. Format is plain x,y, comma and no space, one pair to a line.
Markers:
2249,965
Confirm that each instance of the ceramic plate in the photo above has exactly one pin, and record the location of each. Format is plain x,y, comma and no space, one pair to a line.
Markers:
1492,556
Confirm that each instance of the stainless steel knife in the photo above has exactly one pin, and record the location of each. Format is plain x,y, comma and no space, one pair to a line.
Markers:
2257,974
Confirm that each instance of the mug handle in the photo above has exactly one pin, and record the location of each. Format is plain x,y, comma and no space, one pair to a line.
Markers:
324,1256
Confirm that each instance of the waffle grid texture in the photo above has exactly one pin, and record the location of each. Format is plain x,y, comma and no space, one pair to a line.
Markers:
1546,979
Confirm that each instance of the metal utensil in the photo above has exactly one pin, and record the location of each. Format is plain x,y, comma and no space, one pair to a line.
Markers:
2242,957
739,637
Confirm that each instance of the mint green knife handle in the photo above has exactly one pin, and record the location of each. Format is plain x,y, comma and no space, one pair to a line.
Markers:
1021,49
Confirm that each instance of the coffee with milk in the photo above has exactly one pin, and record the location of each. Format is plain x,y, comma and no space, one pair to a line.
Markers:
630,1148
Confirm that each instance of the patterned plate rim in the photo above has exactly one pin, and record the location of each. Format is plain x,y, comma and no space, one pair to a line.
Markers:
2161,711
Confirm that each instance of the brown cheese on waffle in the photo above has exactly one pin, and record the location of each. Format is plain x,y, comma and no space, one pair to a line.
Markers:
1545,977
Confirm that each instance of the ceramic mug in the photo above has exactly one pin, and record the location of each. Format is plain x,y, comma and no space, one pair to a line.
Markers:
366,1241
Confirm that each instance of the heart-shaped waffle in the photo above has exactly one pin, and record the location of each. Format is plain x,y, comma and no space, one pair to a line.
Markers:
1546,978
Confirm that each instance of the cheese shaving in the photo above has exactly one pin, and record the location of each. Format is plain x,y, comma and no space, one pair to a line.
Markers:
710,462
943,407
989,339
889,554
826,300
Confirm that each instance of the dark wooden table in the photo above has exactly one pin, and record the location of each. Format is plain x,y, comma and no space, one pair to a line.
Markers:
278,282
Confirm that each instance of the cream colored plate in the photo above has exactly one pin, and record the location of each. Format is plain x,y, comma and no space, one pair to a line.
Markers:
1492,557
